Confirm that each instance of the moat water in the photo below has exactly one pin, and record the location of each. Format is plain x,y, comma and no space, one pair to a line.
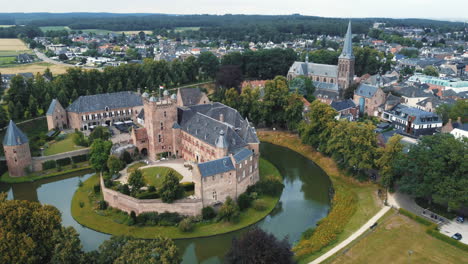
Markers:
304,201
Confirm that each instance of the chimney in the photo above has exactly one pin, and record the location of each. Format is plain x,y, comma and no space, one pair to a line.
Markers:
221,117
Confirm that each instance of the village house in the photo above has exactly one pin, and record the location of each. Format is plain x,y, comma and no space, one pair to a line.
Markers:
369,98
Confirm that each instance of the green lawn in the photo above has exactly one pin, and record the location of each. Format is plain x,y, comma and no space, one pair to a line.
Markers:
154,176
7,61
110,220
61,146
367,203
393,238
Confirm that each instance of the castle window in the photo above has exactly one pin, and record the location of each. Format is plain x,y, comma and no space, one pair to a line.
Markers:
240,166
162,126
165,114
251,168
215,196
250,158
159,138
107,109
243,174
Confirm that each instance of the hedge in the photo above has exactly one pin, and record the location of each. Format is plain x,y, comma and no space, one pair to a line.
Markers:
328,228
80,158
50,164
433,231
3,167
416,218
64,161
188,186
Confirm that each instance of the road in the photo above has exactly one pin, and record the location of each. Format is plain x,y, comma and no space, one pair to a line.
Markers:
355,235
44,58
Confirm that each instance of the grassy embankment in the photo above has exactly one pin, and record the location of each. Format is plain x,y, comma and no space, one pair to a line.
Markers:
110,220
61,146
83,166
365,203
392,241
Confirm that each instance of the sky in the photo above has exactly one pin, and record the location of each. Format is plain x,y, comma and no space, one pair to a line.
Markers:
438,9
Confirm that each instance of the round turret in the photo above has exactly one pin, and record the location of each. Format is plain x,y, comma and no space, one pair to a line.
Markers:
166,93
145,95
174,97
153,99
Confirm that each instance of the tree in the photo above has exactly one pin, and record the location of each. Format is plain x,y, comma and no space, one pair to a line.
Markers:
99,132
229,76
209,64
68,248
132,54
3,118
114,164
431,71
275,100
386,158
32,106
26,231
320,121
229,211
136,181
111,249
435,169
293,111
170,189
99,154
155,251
257,246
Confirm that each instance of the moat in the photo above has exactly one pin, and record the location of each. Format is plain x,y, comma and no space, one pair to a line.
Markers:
304,201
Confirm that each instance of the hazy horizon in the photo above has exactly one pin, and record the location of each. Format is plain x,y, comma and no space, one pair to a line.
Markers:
451,10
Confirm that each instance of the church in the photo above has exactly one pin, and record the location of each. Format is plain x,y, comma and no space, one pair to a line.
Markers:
330,80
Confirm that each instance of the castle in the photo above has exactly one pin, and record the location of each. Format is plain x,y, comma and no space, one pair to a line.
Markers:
222,146
330,80
17,153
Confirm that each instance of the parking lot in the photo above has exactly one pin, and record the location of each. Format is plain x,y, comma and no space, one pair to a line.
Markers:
453,227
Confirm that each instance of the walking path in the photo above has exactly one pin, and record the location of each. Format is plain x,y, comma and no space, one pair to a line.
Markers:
355,235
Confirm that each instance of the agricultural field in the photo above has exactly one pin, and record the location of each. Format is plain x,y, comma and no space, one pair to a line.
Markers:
181,29
5,26
35,68
9,49
52,28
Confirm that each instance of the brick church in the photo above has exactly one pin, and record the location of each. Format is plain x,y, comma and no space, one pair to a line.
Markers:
330,80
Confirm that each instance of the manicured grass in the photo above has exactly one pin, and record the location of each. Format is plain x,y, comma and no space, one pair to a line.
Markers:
392,240
365,193
84,166
61,146
7,60
150,175
109,221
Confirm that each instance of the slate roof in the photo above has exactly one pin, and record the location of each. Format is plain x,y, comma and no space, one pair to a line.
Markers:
203,122
214,167
242,154
411,92
326,86
347,51
309,68
190,96
98,102
342,105
52,105
366,90
421,116
14,136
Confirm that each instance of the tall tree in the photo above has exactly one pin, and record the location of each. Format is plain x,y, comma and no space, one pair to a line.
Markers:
257,246
99,154
386,158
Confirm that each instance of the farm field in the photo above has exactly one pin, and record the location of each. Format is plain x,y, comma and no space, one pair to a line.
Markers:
9,49
35,68
52,28
181,29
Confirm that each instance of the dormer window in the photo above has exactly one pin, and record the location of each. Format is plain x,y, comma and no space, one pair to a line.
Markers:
107,109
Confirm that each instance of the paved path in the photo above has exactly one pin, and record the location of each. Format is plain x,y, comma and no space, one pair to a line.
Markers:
355,235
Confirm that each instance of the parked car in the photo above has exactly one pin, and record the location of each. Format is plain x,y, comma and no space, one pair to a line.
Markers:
460,219
457,236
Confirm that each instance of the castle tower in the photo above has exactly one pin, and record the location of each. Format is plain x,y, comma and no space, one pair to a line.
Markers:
160,115
17,153
346,61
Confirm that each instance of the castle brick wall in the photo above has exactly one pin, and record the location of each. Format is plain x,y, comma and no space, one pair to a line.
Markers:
190,207
58,119
83,121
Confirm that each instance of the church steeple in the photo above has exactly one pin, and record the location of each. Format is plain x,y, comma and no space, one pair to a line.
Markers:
347,52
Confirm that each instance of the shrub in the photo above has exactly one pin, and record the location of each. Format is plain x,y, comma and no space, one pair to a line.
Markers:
186,225
59,167
169,219
244,201
271,186
435,233
149,219
64,161
188,186
50,164
126,157
229,211
80,183
124,189
260,205
170,189
81,204
97,188
79,158
415,217
208,213
147,195
79,139
102,205
151,188
308,233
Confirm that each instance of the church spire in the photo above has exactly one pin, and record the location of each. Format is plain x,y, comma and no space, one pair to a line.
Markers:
347,52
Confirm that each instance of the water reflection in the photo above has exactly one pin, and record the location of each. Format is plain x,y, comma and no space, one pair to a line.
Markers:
304,201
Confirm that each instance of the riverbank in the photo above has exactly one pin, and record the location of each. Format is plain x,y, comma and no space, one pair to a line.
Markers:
354,202
111,221
84,166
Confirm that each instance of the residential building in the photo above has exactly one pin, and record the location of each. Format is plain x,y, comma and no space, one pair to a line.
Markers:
369,98
413,121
